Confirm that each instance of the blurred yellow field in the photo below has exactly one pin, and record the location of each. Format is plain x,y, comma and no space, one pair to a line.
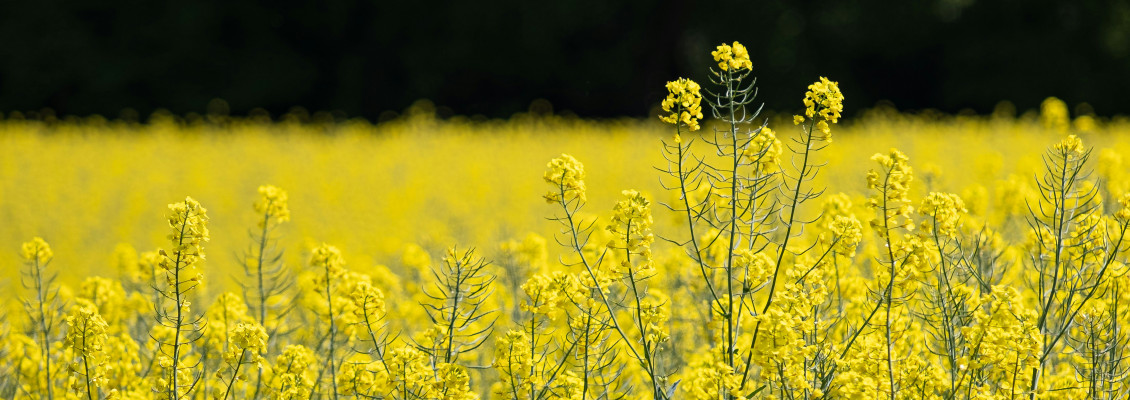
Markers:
426,258
89,186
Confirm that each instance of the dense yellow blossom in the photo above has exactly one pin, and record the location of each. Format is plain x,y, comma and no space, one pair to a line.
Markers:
764,150
892,186
712,292
86,337
37,250
942,212
683,102
272,205
824,99
567,175
732,57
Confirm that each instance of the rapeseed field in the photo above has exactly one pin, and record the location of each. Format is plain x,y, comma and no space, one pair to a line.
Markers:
708,253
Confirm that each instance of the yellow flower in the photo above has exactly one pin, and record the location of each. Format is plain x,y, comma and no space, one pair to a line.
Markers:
37,250
291,376
547,293
329,258
891,188
272,204
567,175
1054,115
764,150
849,232
86,335
734,57
1071,147
249,337
631,226
1123,213
189,224
683,102
823,98
942,212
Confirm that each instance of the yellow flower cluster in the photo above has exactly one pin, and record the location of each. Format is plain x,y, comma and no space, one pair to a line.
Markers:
631,226
291,376
781,350
328,258
824,99
913,259
1004,342
514,362
546,293
409,370
757,266
712,380
1070,147
1054,115
653,317
37,250
764,150
188,221
226,312
368,304
892,186
1123,213
567,175
943,213
683,102
86,336
272,205
111,300
249,341
848,233
356,378
732,57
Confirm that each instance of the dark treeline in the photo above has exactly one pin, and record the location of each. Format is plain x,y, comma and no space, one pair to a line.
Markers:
594,58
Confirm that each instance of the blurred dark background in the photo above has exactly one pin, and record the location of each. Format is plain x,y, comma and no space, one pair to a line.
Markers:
593,58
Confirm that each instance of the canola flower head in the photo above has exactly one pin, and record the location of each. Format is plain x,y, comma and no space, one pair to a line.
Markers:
567,175
683,103
86,336
188,224
892,186
250,338
273,204
547,293
291,376
328,257
512,353
825,99
849,232
36,250
1123,213
757,265
943,212
1070,147
631,226
190,218
764,150
1054,115
368,302
733,57
86,331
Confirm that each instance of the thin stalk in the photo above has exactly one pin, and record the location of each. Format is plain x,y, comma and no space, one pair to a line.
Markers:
179,322
333,332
